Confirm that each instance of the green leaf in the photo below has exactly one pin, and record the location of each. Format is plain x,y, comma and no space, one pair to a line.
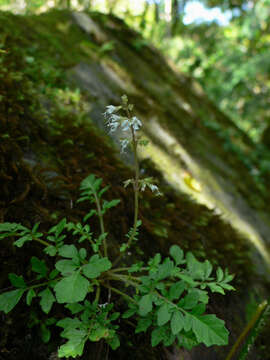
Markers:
71,289
47,300
16,280
99,333
190,300
177,254
39,266
10,299
107,205
29,296
187,340
20,242
176,290
114,342
127,314
66,266
177,322
143,325
50,250
45,333
96,266
145,305
75,308
209,329
68,251
158,334
163,315
164,270
57,229
74,346
215,288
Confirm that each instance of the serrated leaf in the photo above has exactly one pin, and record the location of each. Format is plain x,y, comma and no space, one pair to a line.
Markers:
96,266
47,300
73,288
82,253
209,330
177,322
143,325
163,315
16,280
177,254
39,266
109,204
145,305
10,299
29,296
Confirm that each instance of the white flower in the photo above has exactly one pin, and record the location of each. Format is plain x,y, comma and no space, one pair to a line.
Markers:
125,125
113,122
155,189
110,109
124,143
136,123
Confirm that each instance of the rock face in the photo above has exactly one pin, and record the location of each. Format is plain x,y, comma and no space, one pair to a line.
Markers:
191,142
61,72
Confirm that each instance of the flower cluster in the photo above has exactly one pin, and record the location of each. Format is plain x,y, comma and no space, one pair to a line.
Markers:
114,122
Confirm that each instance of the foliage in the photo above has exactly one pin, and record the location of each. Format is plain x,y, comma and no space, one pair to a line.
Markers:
168,296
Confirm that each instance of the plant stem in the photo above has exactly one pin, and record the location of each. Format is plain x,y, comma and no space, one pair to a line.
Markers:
124,279
248,327
136,190
101,222
119,292
126,269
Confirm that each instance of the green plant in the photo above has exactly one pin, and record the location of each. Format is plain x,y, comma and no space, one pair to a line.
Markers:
168,296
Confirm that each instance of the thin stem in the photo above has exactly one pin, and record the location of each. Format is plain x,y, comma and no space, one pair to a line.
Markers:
101,222
246,330
126,269
43,242
136,190
119,292
123,279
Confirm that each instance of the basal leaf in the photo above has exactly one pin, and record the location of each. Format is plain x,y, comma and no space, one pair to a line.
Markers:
71,289
10,299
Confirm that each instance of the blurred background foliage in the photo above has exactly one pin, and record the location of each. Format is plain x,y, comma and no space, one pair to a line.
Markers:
228,54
